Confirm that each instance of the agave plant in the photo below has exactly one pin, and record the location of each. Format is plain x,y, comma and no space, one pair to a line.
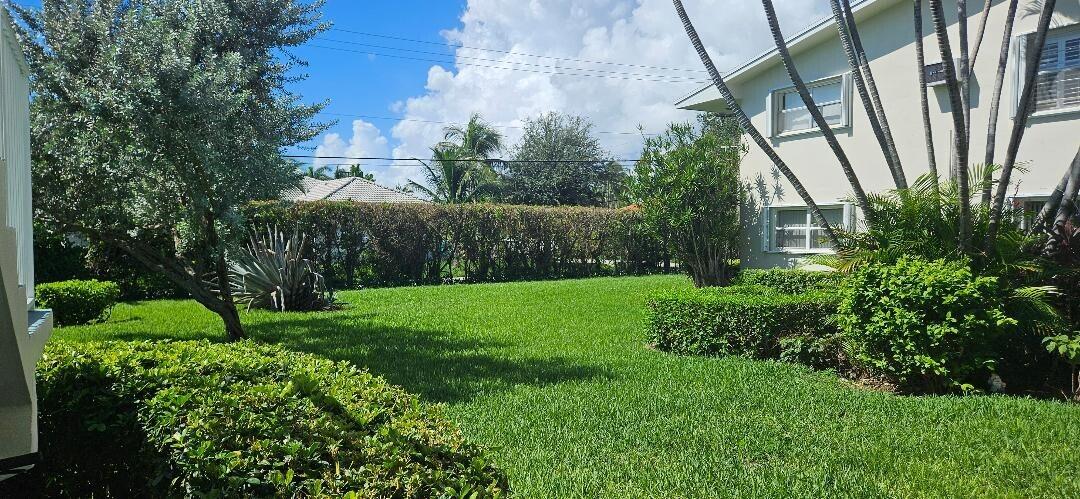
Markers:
272,273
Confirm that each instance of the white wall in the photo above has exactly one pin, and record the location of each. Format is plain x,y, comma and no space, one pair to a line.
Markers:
15,151
1049,145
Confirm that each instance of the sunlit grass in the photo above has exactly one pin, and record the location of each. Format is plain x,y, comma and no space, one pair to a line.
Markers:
555,377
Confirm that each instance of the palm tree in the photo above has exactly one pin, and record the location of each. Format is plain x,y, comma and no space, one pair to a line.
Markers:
844,28
749,128
318,172
451,176
477,137
956,102
963,74
920,57
815,112
979,35
1053,204
353,171
995,99
1023,111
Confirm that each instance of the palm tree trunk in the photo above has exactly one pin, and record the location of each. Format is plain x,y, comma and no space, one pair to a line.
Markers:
811,106
1051,205
937,14
1065,211
964,72
871,88
995,99
979,35
1020,122
920,57
842,28
750,129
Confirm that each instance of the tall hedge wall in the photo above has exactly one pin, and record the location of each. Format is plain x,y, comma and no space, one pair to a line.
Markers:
393,244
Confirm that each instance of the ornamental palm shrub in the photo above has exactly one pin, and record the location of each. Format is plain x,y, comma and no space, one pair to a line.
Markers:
273,273
928,326
77,301
687,184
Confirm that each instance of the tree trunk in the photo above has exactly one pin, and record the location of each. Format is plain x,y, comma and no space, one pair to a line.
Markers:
1050,207
750,129
1066,210
979,35
964,71
937,14
811,106
871,88
920,57
1020,122
842,28
995,99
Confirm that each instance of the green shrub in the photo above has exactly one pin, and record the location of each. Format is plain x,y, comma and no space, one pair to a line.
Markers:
741,320
198,419
788,280
929,326
77,302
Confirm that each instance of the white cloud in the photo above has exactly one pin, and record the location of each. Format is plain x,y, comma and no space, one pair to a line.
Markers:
366,142
639,32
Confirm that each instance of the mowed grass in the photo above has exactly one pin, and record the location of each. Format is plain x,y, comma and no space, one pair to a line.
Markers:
556,379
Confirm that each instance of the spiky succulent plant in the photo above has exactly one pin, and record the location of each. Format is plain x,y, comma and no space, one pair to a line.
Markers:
272,273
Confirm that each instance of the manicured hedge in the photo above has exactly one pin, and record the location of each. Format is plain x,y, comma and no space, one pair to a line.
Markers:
739,320
77,302
240,420
788,280
388,244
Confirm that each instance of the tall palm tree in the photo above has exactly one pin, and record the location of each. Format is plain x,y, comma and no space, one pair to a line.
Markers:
318,172
995,99
920,57
451,176
963,75
979,35
1023,111
960,143
815,112
1053,203
749,128
477,137
844,30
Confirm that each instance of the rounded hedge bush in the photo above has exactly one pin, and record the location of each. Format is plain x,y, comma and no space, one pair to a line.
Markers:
929,326
77,302
789,281
240,420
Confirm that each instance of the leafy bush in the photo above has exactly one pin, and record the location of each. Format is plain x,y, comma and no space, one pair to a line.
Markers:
394,244
77,302
747,320
927,325
241,420
789,281
273,273
687,183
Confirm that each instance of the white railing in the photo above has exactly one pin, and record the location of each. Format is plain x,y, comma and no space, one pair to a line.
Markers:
15,151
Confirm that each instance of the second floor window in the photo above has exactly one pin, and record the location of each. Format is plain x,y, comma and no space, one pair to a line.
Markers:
1057,85
790,114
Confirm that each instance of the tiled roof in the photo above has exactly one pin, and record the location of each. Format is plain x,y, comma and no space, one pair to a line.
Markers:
347,189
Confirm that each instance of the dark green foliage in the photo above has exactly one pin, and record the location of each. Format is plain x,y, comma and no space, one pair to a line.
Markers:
751,321
77,302
274,273
789,281
56,257
687,184
929,326
240,420
391,244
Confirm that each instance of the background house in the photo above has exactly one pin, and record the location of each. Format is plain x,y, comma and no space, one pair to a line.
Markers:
23,330
347,189
781,231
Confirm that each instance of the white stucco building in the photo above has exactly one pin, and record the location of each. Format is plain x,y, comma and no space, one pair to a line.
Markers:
780,231
23,330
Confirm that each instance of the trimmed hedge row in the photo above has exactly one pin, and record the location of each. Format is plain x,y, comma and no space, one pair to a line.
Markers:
77,302
752,321
789,281
391,244
240,420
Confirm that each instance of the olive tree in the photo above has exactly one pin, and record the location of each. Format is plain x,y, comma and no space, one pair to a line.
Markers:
687,184
153,120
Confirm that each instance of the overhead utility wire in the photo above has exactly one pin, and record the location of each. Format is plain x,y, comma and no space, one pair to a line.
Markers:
511,52
498,61
435,122
555,73
495,160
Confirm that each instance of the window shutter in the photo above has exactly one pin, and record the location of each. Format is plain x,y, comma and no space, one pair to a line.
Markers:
766,228
1020,56
846,97
770,128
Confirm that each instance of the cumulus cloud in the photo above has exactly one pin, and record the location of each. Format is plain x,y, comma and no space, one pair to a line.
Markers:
640,35
366,142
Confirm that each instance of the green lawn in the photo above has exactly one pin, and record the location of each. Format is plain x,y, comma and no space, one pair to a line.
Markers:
556,379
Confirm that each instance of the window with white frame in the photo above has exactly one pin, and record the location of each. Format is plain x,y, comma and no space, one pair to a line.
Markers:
1026,208
1057,85
790,115
795,229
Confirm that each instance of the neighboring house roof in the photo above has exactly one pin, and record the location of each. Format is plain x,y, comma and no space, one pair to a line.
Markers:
347,189
818,32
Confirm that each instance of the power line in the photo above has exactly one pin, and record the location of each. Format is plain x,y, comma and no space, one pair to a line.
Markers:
499,61
493,160
553,73
435,122
568,59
